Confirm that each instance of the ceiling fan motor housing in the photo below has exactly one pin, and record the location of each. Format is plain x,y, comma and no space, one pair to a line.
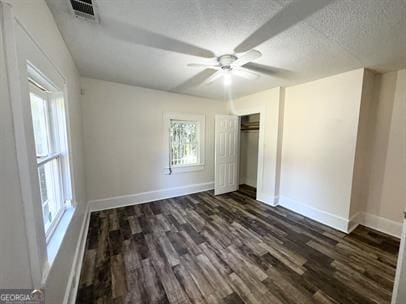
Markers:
225,61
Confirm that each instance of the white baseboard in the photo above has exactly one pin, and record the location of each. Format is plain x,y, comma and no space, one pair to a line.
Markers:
74,276
270,200
381,224
248,181
318,215
340,223
145,197
355,220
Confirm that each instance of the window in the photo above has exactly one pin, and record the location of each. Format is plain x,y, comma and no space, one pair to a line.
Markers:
186,141
48,119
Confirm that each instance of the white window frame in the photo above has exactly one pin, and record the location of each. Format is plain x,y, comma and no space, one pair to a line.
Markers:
57,131
52,155
200,120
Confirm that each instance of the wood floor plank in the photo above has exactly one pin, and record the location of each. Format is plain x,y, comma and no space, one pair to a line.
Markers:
220,264
153,286
115,242
89,265
136,287
233,299
171,255
103,250
290,290
215,278
174,291
113,220
102,286
190,244
230,249
134,225
199,278
118,279
321,298
177,242
131,257
188,284
253,269
242,290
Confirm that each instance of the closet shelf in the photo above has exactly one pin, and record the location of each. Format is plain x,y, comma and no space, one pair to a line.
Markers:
249,126
250,129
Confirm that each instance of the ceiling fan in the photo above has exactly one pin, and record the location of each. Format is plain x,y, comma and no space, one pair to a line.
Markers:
228,65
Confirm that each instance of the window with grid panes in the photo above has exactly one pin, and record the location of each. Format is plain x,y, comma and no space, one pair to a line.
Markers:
50,148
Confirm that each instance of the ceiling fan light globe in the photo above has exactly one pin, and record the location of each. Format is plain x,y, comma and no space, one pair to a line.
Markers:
227,79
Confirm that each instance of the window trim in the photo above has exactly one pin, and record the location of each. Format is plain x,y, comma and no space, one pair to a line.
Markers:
53,128
24,55
201,119
198,126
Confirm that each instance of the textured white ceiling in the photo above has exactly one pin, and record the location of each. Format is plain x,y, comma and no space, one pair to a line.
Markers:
143,42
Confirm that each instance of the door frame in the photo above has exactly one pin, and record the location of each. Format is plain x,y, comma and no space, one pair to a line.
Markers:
261,144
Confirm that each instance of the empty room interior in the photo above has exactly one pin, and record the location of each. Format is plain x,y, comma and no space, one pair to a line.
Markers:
203,151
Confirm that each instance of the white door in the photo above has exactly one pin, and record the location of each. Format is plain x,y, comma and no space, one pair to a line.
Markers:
226,153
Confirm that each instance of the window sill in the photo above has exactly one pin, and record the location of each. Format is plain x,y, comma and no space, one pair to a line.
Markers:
184,169
57,237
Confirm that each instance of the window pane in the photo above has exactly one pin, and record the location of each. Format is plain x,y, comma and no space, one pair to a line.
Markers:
49,128
42,181
39,121
50,189
184,142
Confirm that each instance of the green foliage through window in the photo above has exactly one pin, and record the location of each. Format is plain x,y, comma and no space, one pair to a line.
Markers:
184,142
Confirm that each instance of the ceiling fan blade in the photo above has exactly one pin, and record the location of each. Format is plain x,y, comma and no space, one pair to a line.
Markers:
213,77
195,81
202,65
244,73
288,16
247,57
267,70
133,34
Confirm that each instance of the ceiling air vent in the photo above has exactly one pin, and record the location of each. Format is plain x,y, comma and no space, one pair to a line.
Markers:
84,9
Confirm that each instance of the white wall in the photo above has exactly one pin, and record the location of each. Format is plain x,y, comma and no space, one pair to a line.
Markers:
14,262
269,104
319,138
249,154
394,190
124,136
249,158
35,21
363,153
386,193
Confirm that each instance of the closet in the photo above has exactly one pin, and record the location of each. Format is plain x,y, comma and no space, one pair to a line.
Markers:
249,135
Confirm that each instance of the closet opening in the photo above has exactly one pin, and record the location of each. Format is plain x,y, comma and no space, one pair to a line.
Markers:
248,167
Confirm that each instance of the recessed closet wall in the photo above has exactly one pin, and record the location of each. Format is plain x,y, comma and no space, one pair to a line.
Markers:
320,130
380,169
249,136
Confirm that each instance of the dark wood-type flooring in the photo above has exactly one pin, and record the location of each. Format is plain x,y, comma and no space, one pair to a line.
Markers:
202,248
